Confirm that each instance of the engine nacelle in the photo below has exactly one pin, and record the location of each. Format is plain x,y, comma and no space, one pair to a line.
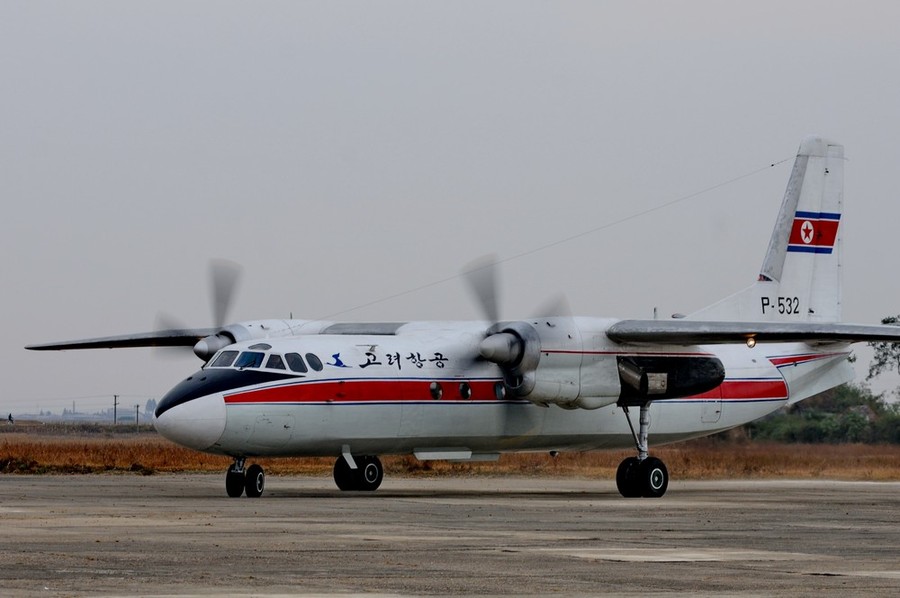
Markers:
651,378
571,363
540,360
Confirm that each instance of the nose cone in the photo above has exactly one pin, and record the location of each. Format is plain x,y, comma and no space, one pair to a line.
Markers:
197,423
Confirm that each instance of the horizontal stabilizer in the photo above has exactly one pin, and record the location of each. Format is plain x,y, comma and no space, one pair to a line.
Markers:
692,332
186,337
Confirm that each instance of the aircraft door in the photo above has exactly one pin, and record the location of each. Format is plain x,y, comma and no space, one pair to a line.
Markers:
711,409
271,431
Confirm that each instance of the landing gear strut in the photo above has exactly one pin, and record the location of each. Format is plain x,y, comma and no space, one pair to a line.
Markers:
237,480
366,476
642,475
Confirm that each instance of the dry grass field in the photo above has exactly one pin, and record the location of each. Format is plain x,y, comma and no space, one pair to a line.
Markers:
82,450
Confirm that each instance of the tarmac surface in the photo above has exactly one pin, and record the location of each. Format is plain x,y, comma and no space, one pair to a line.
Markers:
180,534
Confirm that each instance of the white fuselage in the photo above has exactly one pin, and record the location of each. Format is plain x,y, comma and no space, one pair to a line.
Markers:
419,391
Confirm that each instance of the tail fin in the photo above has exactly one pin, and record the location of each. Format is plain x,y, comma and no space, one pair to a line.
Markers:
800,277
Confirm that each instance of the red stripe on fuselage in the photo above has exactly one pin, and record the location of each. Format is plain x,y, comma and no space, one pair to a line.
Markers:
795,359
744,390
365,391
399,391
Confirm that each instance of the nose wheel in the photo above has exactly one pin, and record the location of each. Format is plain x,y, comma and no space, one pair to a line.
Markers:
642,475
238,481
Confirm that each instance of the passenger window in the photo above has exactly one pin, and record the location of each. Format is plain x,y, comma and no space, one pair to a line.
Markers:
225,359
500,391
249,359
314,362
275,362
295,362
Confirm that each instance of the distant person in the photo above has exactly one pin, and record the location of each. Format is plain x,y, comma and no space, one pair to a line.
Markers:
10,419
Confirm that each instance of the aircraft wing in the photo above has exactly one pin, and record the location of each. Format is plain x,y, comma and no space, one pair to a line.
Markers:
184,337
695,332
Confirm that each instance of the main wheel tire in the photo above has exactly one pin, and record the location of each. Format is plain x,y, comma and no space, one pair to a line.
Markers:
344,477
256,481
654,477
370,473
627,480
234,483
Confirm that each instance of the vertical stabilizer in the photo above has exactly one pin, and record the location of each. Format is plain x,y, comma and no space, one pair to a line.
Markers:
800,276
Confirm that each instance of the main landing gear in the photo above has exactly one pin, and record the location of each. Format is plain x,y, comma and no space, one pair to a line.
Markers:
237,480
642,475
358,473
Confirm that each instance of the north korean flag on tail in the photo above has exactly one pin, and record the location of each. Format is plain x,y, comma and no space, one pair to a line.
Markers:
814,232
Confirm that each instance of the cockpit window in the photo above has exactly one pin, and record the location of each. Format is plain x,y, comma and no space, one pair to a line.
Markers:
224,360
295,362
314,362
275,362
249,359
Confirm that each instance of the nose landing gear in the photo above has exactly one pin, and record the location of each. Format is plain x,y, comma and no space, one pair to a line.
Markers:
237,481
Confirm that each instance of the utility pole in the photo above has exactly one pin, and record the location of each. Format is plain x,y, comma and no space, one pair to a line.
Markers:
115,404
137,425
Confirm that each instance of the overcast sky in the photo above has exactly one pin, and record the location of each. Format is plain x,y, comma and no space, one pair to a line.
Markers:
346,152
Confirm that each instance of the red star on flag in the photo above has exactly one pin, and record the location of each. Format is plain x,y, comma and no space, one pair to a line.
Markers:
806,232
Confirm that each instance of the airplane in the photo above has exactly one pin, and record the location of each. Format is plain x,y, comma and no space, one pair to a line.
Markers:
469,391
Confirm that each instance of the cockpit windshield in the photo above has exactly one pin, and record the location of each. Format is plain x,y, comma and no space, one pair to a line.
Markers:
273,361
224,360
249,359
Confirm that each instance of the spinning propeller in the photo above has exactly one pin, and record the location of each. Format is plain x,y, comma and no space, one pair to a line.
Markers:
514,346
224,278
502,348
